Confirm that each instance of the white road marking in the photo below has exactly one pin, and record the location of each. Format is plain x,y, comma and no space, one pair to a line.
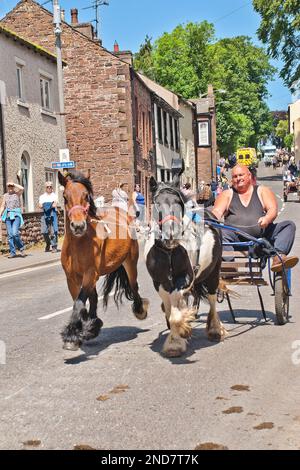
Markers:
61,312
28,270
55,314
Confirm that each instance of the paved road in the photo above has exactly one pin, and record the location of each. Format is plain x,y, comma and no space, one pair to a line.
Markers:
50,395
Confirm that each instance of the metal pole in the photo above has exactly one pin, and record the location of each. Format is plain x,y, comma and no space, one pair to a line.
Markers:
58,31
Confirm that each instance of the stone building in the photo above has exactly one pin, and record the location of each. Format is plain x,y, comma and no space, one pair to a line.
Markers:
105,131
30,128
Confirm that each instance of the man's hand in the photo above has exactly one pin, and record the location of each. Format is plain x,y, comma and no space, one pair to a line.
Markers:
263,222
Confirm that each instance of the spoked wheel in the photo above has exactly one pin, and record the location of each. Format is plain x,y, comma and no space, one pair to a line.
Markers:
282,300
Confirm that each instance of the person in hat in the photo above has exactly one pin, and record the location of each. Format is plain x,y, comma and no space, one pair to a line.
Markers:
49,221
11,214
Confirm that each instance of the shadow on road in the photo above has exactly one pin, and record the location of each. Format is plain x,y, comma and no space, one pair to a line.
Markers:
244,316
197,341
107,337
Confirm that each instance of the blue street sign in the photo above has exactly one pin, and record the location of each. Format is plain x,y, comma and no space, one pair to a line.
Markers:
58,165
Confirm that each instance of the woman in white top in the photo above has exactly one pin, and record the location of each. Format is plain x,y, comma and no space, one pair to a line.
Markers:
120,197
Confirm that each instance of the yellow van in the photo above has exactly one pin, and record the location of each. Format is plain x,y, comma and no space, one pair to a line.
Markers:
246,156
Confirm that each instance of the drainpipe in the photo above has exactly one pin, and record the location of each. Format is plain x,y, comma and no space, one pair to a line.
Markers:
3,154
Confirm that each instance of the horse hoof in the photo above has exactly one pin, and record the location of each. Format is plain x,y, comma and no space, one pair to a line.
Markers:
143,314
71,346
173,353
214,336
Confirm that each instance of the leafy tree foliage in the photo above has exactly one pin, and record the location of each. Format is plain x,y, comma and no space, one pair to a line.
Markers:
188,59
280,29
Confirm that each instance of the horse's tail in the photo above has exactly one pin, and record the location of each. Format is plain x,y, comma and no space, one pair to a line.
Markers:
122,286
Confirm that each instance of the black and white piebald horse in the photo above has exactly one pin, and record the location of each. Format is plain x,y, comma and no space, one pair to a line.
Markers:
182,260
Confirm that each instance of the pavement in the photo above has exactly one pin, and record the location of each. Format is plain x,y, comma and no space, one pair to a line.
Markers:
35,256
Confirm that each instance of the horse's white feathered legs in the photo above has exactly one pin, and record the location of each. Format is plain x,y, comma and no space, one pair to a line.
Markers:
214,327
178,317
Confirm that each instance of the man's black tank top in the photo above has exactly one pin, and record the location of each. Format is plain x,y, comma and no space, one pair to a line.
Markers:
245,218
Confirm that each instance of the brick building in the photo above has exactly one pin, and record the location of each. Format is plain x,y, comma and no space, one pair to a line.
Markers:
108,109
206,137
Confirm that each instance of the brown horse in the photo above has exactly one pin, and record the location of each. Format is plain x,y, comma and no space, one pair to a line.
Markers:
93,247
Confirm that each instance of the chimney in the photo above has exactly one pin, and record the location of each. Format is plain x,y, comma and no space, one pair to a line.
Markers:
74,16
62,15
210,90
116,47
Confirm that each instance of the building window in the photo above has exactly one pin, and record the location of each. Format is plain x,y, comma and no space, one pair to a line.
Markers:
159,126
20,87
50,176
165,128
171,132
45,93
162,176
203,134
176,135
25,180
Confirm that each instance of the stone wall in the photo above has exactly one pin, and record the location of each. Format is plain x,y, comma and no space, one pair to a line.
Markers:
31,230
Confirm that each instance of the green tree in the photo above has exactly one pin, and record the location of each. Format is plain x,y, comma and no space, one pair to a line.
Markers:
280,29
289,141
282,129
143,60
178,59
187,59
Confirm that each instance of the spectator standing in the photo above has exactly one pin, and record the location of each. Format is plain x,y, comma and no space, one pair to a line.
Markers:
139,203
11,213
49,221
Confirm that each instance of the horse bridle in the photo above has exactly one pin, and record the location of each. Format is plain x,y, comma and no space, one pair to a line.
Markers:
85,209
169,216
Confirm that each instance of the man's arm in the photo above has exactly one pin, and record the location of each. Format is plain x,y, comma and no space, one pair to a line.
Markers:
221,204
270,206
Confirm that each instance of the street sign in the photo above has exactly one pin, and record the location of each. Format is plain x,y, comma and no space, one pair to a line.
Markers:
59,165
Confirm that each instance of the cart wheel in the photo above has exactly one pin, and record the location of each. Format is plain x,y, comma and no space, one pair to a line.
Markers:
282,300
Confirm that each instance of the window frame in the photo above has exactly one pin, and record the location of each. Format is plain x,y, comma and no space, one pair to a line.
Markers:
176,128
43,80
159,124
51,175
165,126
207,142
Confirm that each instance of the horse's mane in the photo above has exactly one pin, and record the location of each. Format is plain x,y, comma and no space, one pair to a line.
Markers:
172,188
78,177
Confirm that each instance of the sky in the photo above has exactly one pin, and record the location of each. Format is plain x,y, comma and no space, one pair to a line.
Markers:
129,21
